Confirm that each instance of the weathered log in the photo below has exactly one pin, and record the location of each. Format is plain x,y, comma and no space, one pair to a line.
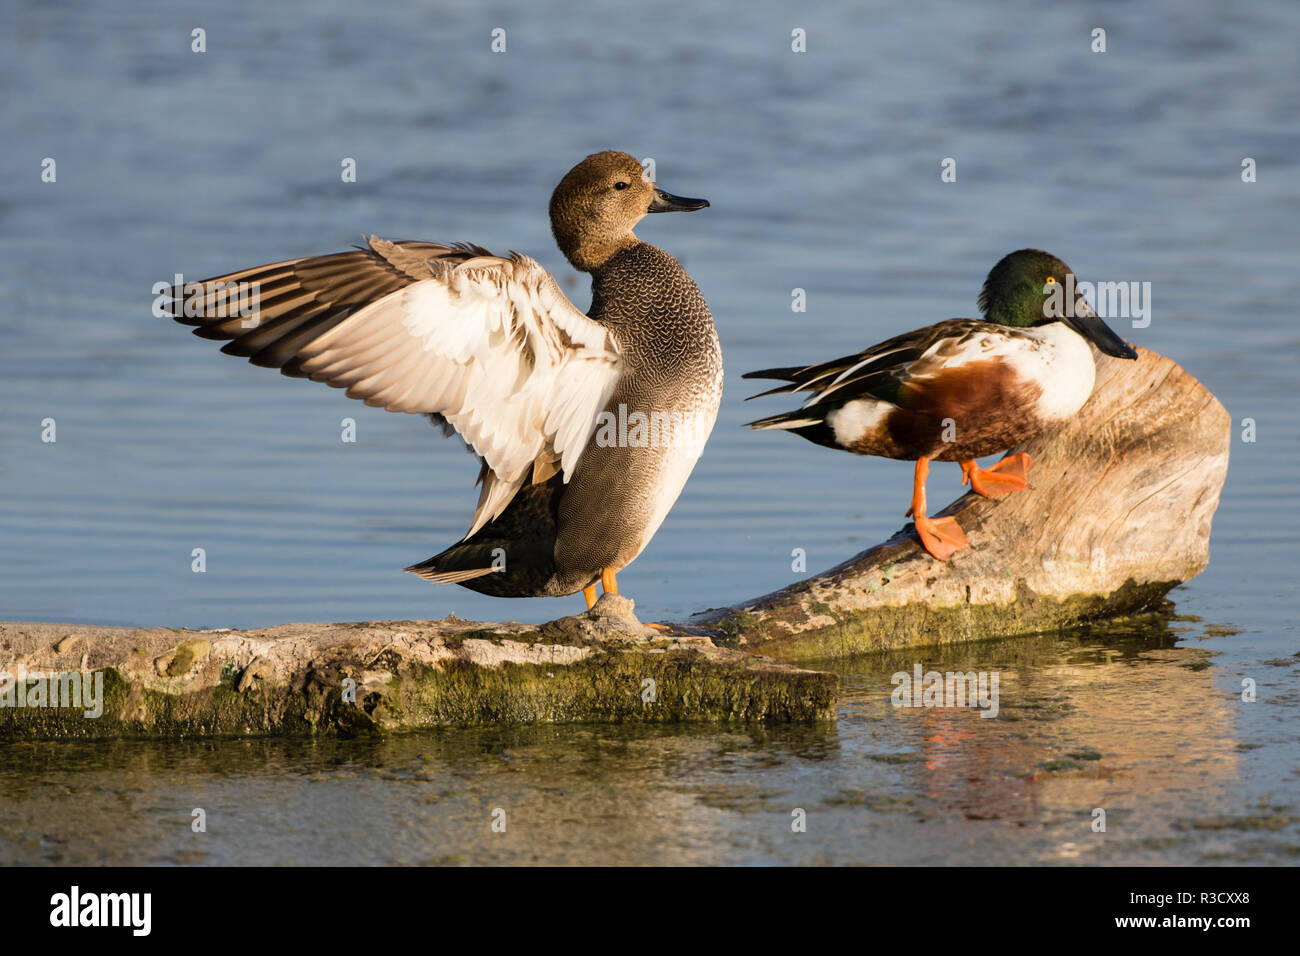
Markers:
1117,514
347,679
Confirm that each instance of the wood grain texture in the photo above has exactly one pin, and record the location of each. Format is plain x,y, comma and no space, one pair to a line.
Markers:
1118,513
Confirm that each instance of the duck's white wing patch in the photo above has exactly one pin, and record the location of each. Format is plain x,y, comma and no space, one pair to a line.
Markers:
974,346
858,420
492,346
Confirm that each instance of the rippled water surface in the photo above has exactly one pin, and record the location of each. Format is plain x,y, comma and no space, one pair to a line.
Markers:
823,173
1132,721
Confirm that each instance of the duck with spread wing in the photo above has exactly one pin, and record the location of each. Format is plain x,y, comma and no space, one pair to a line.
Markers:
488,346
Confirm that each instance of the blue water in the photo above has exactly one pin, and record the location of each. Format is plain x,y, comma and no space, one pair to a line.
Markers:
823,173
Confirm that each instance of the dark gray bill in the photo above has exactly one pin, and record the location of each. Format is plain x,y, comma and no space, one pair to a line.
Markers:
1092,328
667,202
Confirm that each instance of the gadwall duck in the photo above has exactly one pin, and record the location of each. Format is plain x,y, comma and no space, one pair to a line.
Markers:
587,424
961,389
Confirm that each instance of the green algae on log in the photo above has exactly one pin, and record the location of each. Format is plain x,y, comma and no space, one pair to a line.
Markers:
1117,514
302,679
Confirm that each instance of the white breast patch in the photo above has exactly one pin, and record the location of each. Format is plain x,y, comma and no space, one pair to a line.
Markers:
1060,362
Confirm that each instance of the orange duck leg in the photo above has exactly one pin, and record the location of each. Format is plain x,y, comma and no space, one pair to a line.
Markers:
942,537
607,581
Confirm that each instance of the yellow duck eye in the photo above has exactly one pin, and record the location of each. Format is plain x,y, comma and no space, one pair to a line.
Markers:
1051,280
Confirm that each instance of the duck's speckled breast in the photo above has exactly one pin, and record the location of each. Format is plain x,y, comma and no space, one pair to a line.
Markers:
654,428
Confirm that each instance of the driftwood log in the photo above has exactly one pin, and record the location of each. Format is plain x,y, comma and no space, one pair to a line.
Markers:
1117,514
68,681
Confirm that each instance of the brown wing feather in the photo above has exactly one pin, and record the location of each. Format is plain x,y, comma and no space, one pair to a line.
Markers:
298,300
878,373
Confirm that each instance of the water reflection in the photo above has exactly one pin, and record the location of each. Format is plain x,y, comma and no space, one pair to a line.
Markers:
1122,720
1126,719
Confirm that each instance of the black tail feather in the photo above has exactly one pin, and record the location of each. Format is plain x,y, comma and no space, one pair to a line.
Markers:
781,374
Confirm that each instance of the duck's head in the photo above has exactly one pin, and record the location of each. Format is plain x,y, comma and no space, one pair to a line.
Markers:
1028,287
598,202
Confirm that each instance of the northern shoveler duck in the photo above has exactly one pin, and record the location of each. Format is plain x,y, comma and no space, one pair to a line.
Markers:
489,347
961,389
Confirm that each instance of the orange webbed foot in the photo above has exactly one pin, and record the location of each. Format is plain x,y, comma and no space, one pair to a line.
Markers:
942,537
1008,475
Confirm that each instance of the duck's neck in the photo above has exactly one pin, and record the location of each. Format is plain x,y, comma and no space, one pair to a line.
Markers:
589,252
1020,310
587,242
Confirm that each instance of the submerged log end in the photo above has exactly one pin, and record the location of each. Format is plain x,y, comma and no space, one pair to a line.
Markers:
1117,514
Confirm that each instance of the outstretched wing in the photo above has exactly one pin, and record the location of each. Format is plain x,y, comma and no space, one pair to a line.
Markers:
488,344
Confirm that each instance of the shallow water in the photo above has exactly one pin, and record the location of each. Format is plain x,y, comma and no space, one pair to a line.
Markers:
823,173
1130,721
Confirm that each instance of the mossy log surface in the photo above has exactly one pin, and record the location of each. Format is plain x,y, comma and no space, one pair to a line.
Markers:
303,679
1118,513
